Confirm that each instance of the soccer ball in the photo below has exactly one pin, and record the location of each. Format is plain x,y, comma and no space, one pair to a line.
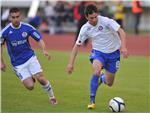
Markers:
116,104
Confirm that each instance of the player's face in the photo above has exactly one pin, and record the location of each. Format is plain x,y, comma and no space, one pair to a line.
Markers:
15,18
92,18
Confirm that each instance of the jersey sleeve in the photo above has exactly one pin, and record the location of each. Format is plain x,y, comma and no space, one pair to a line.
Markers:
35,34
82,36
113,25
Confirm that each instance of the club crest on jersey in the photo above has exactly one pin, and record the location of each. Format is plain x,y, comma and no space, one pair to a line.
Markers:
100,28
10,32
88,29
24,34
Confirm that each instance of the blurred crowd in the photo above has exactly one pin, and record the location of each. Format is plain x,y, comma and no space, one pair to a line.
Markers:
54,16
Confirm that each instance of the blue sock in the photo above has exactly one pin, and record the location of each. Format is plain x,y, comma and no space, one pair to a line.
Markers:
93,87
102,78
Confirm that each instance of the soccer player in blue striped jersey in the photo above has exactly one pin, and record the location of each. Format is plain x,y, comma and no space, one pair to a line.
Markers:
108,41
23,59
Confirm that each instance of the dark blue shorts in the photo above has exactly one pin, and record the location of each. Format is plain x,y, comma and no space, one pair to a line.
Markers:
110,61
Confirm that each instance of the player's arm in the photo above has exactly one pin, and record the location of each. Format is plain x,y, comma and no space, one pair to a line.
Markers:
43,48
116,27
38,37
73,55
3,66
123,48
81,38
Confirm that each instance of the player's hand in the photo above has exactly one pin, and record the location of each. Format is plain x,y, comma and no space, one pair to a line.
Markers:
3,67
70,68
124,52
47,55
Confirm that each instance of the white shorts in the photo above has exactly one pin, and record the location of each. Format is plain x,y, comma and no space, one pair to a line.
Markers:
29,68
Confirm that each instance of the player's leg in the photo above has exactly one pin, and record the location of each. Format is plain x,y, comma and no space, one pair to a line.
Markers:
111,68
94,83
109,78
24,75
97,66
28,83
46,86
36,71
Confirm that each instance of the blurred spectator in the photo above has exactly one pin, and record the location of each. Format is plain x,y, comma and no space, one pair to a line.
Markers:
104,9
4,17
76,13
119,13
137,11
36,21
60,12
50,17
68,16
80,17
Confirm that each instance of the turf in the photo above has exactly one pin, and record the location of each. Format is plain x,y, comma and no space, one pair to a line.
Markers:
72,91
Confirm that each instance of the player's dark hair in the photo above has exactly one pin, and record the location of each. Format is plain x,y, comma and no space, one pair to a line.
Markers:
14,10
90,9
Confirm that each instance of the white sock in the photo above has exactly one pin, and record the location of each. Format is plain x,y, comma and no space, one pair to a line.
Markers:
48,89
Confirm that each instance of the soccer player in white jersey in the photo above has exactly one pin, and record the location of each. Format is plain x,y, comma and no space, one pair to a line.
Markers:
108,41
23,58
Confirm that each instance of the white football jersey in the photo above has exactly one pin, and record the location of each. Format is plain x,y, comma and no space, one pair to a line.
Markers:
104,35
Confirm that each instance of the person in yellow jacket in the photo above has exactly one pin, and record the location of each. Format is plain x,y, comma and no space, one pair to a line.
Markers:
137,11
119,13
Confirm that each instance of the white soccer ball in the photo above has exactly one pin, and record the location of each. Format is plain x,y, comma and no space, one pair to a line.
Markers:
116,104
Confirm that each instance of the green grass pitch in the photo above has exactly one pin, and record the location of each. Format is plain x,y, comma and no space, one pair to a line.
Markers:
72,91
